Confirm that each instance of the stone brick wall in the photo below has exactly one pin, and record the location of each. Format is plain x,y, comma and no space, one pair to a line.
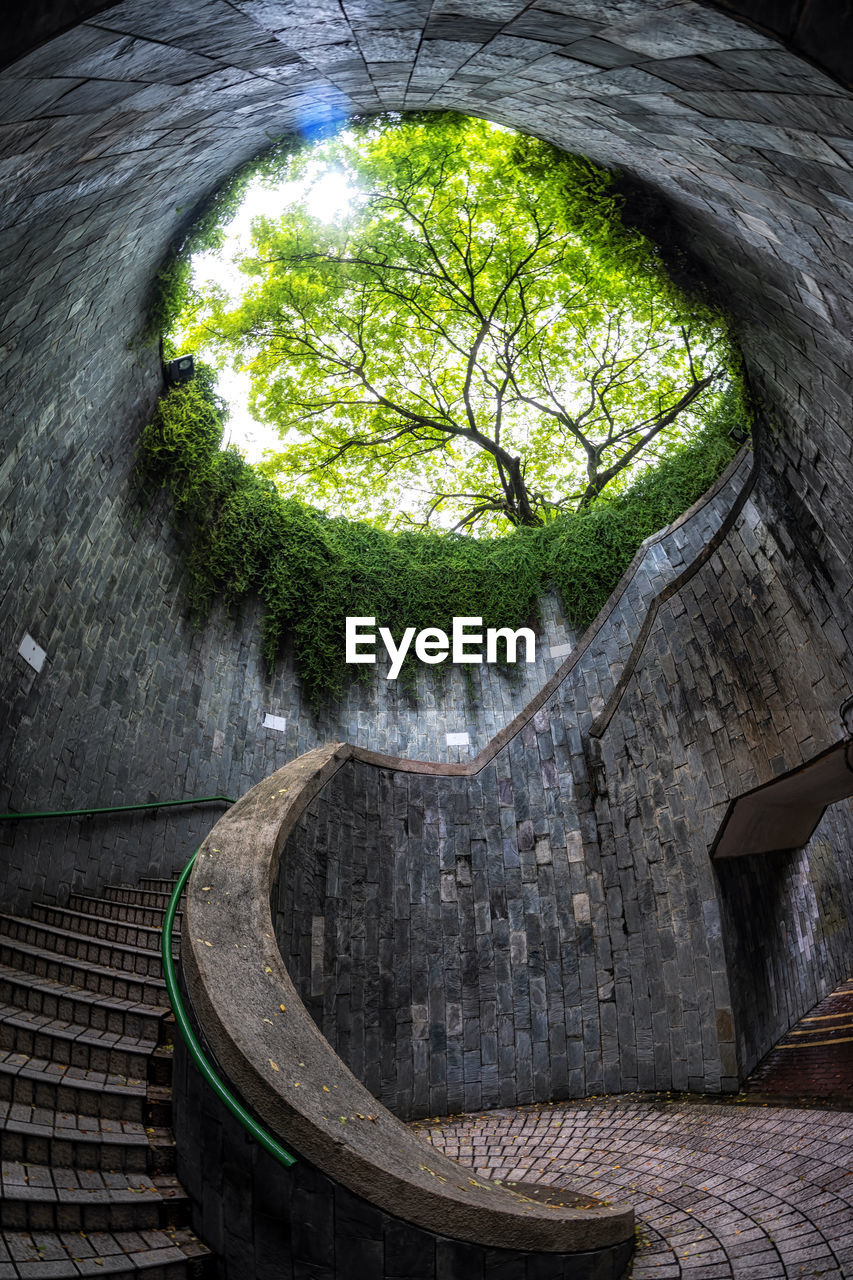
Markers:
277,1061
134,704
741,679
815,29
115,129
788,921
521,934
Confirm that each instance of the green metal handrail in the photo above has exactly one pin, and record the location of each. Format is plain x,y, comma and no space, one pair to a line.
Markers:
112,808
256,1131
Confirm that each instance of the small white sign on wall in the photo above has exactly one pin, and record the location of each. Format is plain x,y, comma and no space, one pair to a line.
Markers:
31,652
561,650
458,739
275,722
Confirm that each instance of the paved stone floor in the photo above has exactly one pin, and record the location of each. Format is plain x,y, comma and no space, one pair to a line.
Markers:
721,1190
815,1058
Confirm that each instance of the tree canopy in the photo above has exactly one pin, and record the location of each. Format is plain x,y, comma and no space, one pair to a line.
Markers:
474,343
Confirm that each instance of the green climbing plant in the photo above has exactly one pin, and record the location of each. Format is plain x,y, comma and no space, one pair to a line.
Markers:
310,570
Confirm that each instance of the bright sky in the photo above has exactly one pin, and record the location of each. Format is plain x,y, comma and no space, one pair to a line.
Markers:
326,198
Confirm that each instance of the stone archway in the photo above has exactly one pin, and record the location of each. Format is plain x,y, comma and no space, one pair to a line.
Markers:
116,122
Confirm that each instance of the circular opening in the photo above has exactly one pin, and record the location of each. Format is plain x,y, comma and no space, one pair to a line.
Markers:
452,333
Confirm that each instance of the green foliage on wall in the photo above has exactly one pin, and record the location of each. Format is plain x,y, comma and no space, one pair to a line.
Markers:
311,571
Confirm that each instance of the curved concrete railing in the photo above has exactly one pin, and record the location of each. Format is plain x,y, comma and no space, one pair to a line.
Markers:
273,1053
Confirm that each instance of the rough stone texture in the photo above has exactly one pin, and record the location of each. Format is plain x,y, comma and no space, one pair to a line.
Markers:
288,1075
816,29
111,134
516,936
740,681
115,128
156,729
788,921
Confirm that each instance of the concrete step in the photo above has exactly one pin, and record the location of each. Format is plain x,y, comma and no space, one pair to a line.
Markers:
88,1185
110,955
39,1135
161,1149
170,1254
42,1198
157,884
105,907
106,930
122,893
62,1002
161,1062
138,988
62,1087
40,1036
158,1105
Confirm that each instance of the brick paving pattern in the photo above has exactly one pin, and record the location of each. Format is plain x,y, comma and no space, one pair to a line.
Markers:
815,1058
721,1191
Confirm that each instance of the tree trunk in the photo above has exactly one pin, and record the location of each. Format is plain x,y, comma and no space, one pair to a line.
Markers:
522,512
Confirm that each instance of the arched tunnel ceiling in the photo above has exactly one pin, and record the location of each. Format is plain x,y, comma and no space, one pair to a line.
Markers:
819,30
117,127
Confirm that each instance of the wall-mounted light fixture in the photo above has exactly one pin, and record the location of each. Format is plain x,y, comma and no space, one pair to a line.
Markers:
177,372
